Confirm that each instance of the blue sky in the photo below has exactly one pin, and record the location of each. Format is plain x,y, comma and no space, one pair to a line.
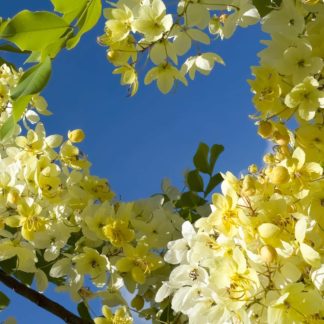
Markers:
136,142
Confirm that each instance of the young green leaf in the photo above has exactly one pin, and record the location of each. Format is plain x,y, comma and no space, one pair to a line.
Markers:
215,151
4,301
13,49
213,182
195,181
87,21
19,106
33,80
200,159
7,128
190,199
34,31
71,10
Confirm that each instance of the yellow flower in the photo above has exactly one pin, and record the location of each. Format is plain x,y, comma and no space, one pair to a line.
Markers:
119,22
92,263
165,74
128,77
306,98
76,136
138,261
121,316
29,218
153,21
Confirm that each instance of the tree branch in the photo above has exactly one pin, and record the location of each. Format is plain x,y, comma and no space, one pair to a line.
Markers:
41,300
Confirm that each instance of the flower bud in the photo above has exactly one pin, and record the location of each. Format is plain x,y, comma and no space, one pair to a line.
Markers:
281,139
265,129
214,25
279,175
12,197
76,135
253,168
268,158
268,230
248,187
268,254
138,302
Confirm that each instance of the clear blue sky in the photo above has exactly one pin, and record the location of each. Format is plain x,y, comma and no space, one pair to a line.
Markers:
136,142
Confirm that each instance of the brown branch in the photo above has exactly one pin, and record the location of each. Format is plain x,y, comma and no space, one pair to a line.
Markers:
41,300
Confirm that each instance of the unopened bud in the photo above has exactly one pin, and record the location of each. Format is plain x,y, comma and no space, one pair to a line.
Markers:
76,135
265,129
279,175
138,302
253,168
268,254
248,187
12,197
268,158
281,139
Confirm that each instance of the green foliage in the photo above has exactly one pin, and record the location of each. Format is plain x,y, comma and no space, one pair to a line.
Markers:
204,160
4,301
33,80
195,181
205,157
84,312
87,21
34,31
265,6
71,10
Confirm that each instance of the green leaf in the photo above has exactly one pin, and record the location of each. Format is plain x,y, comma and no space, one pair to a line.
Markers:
33,80
190,199
195,181
7,128
19,106
213,182
87,21
9,265
13,49
200,159
71,9
84,312
265,6
215,151
34,31
4,301
25,277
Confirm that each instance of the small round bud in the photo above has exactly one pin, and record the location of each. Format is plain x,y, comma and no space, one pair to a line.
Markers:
253,168
12,197
149,295
265,129
268,254
279,175
138,302
76,135
268,158
281,139
248,186
214,25
268,230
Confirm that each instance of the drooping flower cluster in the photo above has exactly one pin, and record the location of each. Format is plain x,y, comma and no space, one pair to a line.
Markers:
134,27
259,257
60,224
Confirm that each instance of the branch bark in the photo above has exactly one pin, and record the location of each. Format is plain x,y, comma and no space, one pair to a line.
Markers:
41,300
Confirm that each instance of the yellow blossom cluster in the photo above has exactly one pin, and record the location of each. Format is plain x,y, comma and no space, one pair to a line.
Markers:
259,256
135,27
60,224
